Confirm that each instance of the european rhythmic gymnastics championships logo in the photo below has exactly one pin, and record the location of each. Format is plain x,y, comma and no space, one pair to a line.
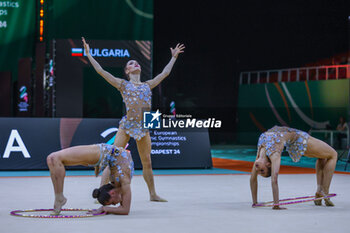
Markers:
23,95
151,120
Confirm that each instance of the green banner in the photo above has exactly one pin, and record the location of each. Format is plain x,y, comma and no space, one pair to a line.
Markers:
301,105
107,19
17,32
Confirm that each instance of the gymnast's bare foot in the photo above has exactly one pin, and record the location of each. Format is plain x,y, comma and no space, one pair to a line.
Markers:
328,202
97,170
59,202
157,198
317,195
276,207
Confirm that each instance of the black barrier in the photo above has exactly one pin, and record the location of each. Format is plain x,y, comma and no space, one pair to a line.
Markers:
26,142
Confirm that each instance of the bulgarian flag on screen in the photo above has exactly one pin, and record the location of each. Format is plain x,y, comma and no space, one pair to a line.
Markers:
77,52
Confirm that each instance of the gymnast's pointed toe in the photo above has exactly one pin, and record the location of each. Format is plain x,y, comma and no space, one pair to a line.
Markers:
328,202
318,202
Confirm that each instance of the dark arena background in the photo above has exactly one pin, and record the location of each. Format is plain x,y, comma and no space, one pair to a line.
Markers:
246,67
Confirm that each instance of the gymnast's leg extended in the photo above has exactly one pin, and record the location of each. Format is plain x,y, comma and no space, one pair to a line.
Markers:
78,155
325,166
144,149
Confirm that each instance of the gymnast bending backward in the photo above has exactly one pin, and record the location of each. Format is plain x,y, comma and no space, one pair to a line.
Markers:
297,143
100,156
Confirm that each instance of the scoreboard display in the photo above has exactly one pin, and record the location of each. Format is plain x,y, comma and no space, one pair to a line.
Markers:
17,19
17,28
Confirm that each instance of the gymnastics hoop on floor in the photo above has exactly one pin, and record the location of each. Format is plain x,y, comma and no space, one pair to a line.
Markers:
22,213
298,200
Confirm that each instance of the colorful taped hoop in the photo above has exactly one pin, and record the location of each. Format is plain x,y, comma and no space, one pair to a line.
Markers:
298,200
22,213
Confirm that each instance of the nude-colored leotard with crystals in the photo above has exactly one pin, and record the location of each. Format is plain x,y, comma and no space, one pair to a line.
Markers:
276,138
137,99
117,159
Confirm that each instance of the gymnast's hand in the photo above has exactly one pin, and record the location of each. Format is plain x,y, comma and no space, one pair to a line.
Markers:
98,211
86,46
177,50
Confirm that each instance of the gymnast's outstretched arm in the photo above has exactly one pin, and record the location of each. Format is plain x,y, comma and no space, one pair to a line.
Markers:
254,181
254,185
167,69
115,82
275,167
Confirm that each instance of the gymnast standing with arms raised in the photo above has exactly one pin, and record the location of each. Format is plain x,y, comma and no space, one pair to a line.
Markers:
297,143
137,98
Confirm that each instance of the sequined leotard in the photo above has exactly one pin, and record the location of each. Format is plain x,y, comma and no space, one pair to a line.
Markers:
276,138
137,99
118,159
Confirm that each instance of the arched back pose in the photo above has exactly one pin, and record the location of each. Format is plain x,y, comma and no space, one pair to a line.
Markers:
297,143
137,98
117,159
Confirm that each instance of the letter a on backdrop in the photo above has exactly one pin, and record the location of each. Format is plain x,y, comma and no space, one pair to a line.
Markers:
12,148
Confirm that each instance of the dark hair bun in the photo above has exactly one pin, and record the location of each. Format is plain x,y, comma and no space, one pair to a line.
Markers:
96,193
